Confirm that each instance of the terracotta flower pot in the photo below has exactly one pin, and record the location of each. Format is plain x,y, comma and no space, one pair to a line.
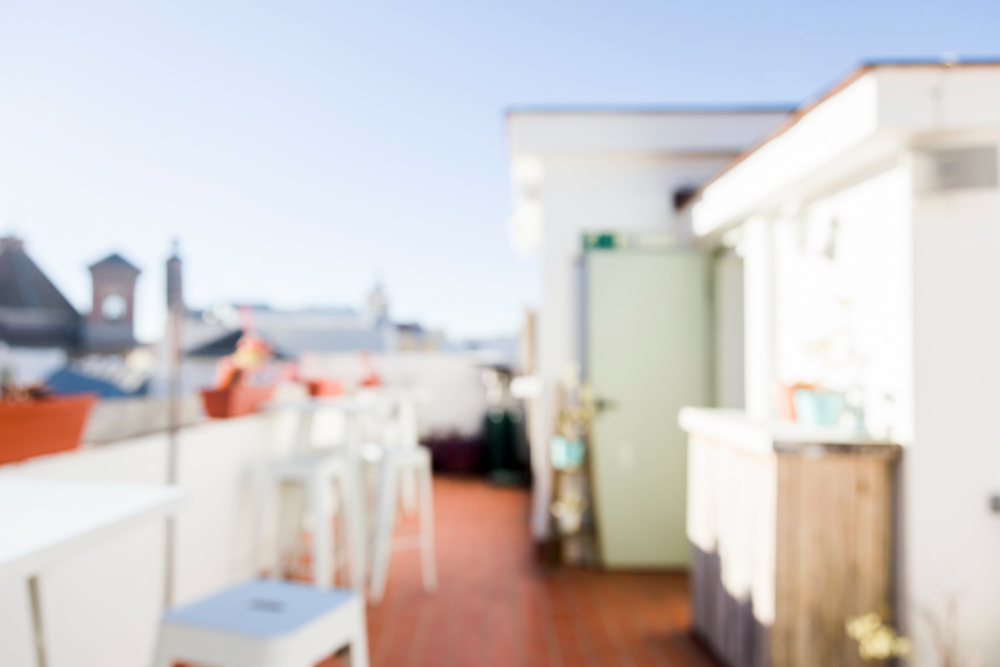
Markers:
240,399
323,387
42,426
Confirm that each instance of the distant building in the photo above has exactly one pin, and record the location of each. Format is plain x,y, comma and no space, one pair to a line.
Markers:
377,312
110,325
293,332
33,312
44,338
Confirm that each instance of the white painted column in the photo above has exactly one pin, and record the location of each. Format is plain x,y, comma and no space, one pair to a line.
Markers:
758,317
730,384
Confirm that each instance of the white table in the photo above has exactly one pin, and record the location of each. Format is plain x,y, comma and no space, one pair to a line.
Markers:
43,522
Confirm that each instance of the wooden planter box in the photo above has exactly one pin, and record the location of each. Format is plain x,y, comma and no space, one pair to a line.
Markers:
42,426
235,401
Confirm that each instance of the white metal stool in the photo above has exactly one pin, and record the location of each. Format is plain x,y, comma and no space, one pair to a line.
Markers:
394,463
318,471
317,474
265,623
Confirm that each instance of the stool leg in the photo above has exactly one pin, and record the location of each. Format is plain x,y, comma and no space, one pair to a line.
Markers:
358,653
409,437
350,486
321,532
408,490
303,432
427,560
384,525
331,505
291,508
265,491
164,652
162,659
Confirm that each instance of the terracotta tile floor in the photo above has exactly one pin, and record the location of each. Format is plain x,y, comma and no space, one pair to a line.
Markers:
496,606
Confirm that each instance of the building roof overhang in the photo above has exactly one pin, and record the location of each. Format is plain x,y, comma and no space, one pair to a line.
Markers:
861,124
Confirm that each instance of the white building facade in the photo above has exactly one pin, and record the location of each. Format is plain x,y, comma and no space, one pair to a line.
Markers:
870,229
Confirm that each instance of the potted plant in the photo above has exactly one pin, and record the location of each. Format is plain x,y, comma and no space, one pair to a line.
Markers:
233,394
34,422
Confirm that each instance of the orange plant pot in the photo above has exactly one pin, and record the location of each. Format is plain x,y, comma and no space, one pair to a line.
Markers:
786,399
237,400
324,387
42,426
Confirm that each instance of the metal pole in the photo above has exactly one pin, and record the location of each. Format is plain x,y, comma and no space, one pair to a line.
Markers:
38,628
175,320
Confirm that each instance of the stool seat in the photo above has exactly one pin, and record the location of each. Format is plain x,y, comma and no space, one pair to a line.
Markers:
302,466
260,608
265,623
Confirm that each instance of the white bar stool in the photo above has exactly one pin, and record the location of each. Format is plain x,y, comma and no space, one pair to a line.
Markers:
408,426
394,463
265,623
317,471
401,425
316,474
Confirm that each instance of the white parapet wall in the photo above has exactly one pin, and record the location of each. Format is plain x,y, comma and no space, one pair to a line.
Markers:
101,608
113,419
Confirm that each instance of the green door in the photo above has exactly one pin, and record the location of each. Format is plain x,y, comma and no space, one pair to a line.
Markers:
648,341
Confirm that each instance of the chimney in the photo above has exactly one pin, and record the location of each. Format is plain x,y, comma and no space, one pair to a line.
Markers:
175,292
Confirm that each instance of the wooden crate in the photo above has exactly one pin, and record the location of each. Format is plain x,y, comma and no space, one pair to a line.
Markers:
833,552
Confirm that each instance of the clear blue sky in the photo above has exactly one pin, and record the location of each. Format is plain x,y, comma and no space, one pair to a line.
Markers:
300,149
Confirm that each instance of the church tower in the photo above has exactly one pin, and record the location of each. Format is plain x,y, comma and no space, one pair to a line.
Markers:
109,326
377,308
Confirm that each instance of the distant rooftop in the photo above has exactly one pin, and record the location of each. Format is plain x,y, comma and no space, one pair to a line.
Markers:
114,260
32,310
943,63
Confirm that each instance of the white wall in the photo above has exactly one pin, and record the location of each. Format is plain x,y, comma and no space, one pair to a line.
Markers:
114,419
101,608
953,467
843,298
